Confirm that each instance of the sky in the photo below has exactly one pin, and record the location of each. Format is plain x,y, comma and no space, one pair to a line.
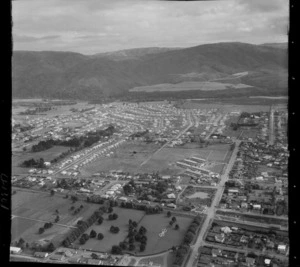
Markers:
96,26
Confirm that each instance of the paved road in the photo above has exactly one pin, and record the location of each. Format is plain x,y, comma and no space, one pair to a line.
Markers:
211,211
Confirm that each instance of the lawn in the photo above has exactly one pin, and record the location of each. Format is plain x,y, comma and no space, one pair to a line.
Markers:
111,239
154,225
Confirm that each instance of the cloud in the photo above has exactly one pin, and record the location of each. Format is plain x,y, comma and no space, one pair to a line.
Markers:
104,25
26,38
264,5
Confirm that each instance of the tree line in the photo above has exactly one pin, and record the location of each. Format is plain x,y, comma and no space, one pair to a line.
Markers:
76,142
190,234
39,163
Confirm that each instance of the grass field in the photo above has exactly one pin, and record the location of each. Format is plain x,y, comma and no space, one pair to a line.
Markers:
218,168
165,160
111,239
47,155
197,196
128,158
33,207
154,224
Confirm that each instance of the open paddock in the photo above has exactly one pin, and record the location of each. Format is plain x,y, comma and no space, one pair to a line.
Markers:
217,168
127,157
35,209
49,154
165,160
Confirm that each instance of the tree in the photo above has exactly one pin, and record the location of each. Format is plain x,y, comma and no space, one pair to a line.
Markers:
56,211
123,245
74,198
188,238
93,233
100,236
57,219
142,247
171,223
137,237
51,247
110,210
82,240
21,242
169,214
52,192
100,220
116,250
174,219
143,239
41,230
114,229
131,247
94,256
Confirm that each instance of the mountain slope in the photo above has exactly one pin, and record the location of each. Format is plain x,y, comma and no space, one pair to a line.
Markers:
72,75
